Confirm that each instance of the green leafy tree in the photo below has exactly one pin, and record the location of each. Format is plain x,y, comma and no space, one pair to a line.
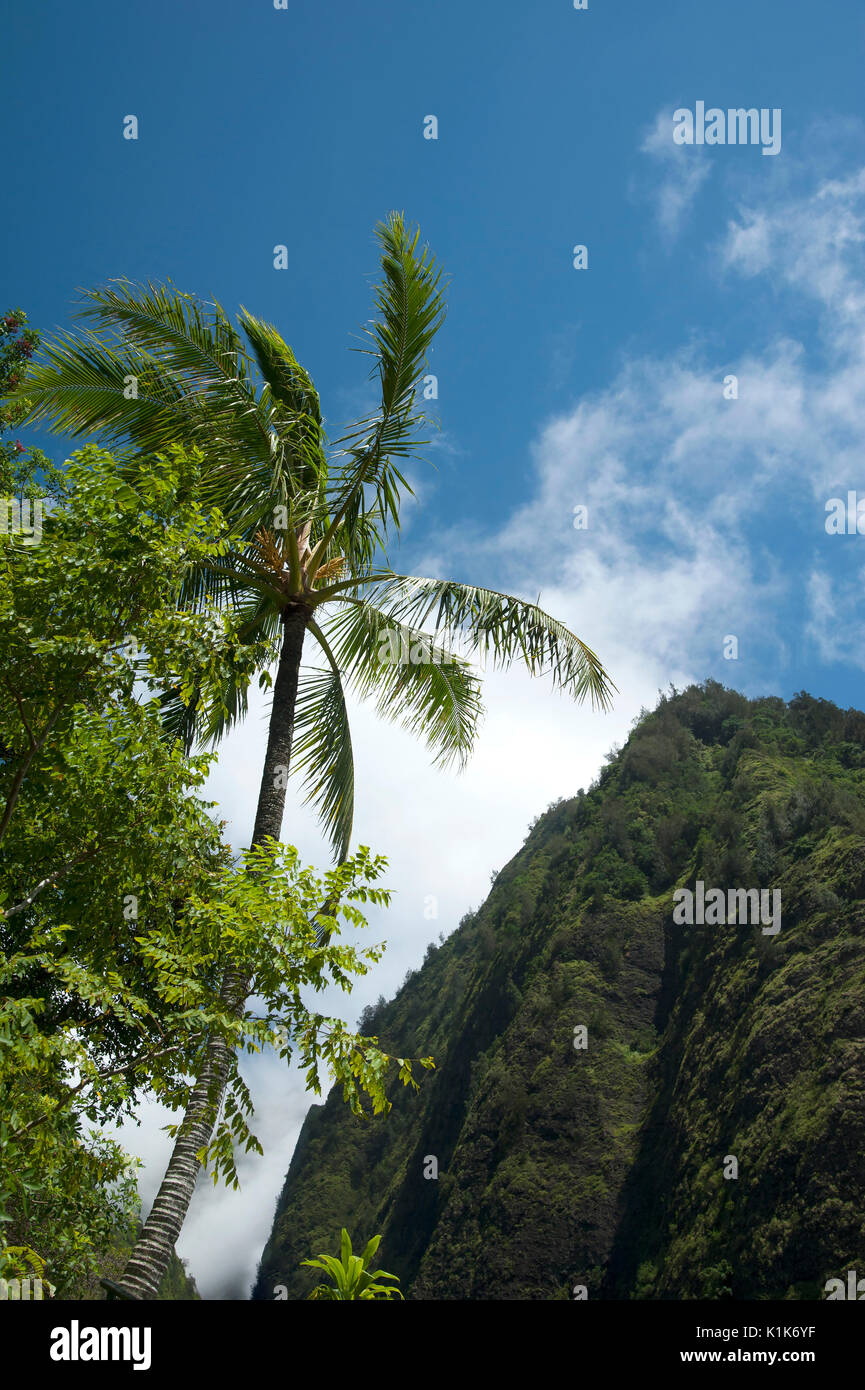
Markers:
120,909
153,367
93,807
350,1275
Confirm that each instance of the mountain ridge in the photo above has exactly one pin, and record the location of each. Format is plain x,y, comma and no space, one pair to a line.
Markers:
603,1168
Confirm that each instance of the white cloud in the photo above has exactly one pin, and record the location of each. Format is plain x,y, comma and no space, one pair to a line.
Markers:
835,621
812,243
682,170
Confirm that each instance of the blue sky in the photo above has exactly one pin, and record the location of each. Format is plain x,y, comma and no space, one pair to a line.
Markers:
304,126
558,387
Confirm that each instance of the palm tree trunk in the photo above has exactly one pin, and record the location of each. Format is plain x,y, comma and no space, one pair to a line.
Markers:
152,1250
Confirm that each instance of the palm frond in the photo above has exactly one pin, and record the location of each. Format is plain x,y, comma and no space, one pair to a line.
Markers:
507,628
360,537
410,308
83,386
180,722
321,748
173,326
226,704
297,409
201,348
214,707
414,680
159,368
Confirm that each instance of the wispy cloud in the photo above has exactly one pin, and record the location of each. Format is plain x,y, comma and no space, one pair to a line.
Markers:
679,173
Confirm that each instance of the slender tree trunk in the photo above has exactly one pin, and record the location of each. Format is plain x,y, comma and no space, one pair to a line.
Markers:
152,1250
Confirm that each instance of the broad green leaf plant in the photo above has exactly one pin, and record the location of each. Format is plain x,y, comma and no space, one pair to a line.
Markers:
350,1275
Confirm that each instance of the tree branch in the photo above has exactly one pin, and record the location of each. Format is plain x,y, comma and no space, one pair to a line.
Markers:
47,881
103,1076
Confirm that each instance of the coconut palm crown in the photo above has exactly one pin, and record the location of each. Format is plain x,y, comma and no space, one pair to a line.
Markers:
154,367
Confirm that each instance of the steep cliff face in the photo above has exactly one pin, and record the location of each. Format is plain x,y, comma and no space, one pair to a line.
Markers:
707,1140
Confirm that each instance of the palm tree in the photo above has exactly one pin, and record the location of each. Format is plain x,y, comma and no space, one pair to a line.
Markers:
309,558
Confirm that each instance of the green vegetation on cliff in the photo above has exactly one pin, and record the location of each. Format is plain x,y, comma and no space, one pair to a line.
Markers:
606,1166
